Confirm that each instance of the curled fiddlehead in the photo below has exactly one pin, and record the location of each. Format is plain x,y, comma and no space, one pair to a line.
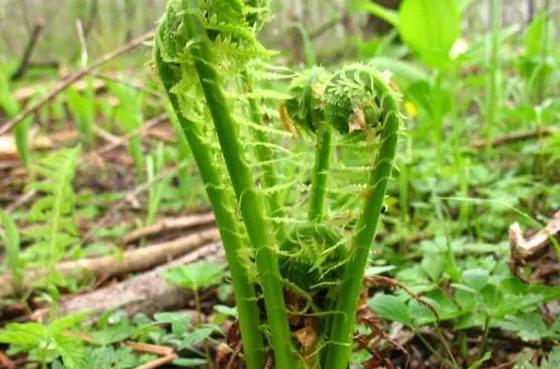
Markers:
360,99
312,256
305,110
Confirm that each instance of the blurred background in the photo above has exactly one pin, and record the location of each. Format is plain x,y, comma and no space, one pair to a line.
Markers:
110,23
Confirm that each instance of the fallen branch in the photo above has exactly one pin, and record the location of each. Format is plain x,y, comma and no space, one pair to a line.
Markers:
170,224
70,80
515,137
522,248
108,266
146,293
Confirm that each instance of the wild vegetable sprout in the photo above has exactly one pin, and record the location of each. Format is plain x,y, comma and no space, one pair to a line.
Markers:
202,49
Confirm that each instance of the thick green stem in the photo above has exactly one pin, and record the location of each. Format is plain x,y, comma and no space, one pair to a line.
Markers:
320,173
264,155
343,324
223,204
250,198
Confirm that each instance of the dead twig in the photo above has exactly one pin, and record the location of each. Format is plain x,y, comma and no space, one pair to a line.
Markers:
158,362
522,248
125,138
147,348
26,58
515,137
170,224
70,80
124,82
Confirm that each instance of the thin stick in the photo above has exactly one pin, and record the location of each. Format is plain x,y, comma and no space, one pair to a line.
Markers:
170,224
515,137
25,59
124,139
150,349
124,82
70,80
159,362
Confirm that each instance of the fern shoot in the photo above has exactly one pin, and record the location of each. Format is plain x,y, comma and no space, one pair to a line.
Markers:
359,100
200,38
222,202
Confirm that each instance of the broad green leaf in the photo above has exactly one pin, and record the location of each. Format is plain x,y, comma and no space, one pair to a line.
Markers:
67,322
195,276
476,278
179,321
539,38
71,350
25,334
391,308
197,336
430,27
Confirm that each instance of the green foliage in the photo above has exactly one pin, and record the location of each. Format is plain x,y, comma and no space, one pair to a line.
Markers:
11,109
46,343
550,362
430,28
312,256
128,114
304,108
11,240
154,166
195,276
109,357
82,109
538,64
54,229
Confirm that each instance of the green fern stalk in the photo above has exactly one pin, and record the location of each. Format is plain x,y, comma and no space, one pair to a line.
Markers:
222,205
320,173
306,111
264,155
343,324
250,198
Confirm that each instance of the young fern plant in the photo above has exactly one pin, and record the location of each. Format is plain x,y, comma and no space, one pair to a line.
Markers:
359,100
198,38
201,48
